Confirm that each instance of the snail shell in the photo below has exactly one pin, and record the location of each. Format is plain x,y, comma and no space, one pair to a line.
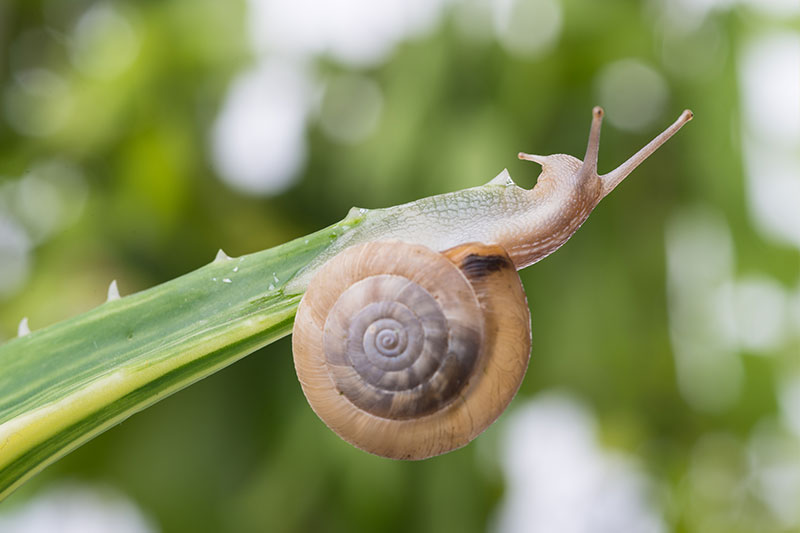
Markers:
409,353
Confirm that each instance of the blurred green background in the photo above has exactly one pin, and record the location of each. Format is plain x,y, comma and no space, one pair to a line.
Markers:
663,394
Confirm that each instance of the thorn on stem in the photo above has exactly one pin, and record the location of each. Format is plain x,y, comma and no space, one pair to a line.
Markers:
113,291
23,328
221,256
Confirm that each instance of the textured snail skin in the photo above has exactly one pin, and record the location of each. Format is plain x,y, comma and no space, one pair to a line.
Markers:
529,224
478,291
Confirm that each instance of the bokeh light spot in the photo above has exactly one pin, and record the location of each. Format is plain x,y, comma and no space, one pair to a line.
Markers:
789,398
527,27
258,139
355,32
699,267
770,90
77,508
775,471
351,108
104,43
695,54
771,135
50,197
634,94
759,305
38,103
560,479
14,255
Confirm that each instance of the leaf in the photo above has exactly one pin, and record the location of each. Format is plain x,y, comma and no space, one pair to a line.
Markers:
67,383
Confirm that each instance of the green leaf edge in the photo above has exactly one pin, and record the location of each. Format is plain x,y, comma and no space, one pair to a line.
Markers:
41,423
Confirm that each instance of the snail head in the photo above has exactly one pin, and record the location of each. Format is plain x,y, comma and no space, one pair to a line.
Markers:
560,171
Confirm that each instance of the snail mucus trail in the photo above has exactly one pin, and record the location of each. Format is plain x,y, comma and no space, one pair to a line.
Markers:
414,331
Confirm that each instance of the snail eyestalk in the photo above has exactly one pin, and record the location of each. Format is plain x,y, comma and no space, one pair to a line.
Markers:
593,148
613,178
541,159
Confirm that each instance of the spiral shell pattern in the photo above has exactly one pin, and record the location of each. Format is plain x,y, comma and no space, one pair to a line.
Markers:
393,351
393,345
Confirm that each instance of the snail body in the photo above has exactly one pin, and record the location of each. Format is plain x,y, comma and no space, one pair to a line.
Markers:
413,334
529,223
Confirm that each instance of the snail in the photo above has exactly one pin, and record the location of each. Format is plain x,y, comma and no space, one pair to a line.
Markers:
412,338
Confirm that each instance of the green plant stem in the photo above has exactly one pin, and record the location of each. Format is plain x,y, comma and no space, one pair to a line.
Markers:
67,383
